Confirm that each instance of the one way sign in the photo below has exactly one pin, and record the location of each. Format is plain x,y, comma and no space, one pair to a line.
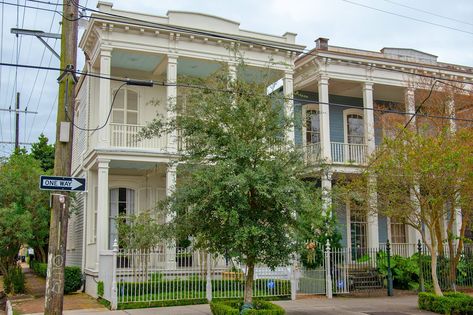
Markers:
61,183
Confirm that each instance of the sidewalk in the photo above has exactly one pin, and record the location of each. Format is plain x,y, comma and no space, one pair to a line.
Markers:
401,305
33,301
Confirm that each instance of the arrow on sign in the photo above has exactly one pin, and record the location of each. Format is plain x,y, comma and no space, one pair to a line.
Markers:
62,183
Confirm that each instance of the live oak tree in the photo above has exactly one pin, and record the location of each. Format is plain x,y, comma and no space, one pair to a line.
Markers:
240,189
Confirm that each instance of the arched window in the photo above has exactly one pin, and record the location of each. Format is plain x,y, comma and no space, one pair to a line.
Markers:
354,128
125,107
311,127
122,202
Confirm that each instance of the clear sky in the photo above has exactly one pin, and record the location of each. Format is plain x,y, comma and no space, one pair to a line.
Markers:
443,28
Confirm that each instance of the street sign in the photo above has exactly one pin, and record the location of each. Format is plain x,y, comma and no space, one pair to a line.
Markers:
61,183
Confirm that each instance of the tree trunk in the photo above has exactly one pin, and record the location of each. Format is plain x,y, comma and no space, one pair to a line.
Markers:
248,297
433,264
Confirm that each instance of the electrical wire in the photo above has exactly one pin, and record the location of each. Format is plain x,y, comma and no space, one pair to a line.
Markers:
194,86
407,17
429,12
108,116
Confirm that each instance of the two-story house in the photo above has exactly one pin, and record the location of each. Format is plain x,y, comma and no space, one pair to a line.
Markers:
339,94
125,174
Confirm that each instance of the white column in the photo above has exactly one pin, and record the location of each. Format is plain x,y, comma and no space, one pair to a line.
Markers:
325,146
104,96
326,184
410,105
171,94
102,206
373,226
170,188
368,117
232,71
288,89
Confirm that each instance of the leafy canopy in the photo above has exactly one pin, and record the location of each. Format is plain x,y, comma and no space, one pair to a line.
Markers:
240,187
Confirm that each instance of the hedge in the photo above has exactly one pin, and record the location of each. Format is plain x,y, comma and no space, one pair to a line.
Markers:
282,287
233,307
72,275
449,304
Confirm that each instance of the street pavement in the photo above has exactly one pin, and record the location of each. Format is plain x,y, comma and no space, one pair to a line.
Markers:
397,305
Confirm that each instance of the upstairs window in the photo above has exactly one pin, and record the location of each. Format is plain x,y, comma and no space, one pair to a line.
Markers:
125,107
355,129
311,125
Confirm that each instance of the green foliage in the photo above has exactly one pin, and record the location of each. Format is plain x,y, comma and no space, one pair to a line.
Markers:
72,276
138,231
405,270
43,152
449,304
100,289
14,281
19,186
176,302
233,307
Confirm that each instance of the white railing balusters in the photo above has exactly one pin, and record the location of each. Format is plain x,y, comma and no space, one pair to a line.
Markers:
348,153
127,136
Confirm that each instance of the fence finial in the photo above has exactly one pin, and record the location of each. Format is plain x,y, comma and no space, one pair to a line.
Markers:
327,245
115,245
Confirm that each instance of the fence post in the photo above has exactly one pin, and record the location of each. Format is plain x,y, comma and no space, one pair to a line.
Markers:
421,271
328,274
390,273
293,278
114,296
208,287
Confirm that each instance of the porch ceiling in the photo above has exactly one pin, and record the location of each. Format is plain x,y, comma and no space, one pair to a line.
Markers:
355,89
135,60
135,167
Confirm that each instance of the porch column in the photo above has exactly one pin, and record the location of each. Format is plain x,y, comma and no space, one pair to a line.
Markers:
232,71
102,206
104,96
368,117
288,89
170,188
171,94
373,227
410,105
326,184
325,146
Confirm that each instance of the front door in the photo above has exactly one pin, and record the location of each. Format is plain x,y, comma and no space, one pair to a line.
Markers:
122,202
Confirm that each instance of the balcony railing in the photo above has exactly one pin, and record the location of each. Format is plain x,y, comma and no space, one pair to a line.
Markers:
312,154
126,136
348,153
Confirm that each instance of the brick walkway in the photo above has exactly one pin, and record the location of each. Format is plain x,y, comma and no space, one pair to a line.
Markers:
33,301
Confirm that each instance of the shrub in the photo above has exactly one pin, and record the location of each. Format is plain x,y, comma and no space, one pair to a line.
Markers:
233,307
405,271
100,289
72,276
449,304
14,281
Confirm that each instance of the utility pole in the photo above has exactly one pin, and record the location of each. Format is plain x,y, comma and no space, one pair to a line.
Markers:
17,122
62,164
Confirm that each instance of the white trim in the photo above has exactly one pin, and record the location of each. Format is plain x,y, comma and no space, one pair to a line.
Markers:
305,108
351,111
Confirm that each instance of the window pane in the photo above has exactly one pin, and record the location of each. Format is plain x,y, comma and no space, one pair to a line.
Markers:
312,126
132,100
132,118
355,129
119,99
117,116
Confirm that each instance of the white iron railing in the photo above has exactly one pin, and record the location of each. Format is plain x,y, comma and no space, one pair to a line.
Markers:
400,249
348,153
127,136
175,274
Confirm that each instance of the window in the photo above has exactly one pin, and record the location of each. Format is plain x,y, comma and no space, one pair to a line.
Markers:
398,232
355,129
358,229
125,107
311,124
122,202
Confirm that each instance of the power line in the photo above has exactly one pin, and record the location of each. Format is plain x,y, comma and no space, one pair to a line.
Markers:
300,100
429,12
50,112
407,17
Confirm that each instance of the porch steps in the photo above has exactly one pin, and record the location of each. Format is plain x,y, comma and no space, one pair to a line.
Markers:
364,279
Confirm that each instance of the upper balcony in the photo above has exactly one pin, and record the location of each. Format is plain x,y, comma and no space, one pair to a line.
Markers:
341,153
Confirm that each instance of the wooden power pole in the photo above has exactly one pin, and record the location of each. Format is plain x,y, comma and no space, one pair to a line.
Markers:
62,164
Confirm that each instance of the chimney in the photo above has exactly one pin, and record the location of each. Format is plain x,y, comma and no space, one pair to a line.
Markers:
321,43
